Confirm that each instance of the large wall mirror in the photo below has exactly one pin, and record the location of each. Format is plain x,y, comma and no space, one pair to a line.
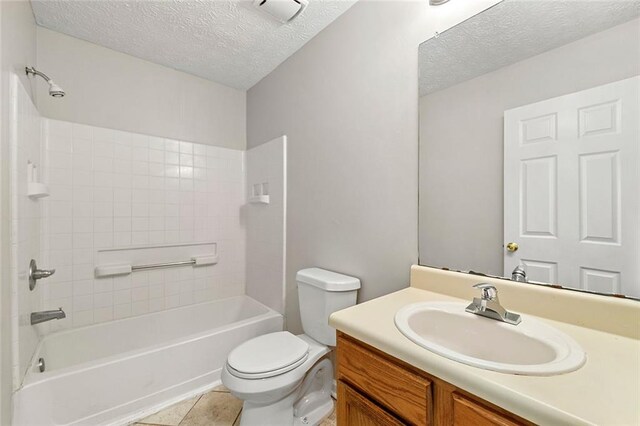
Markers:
530,145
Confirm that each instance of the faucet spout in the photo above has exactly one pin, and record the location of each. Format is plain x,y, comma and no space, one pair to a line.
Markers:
519,275
488,305
43,316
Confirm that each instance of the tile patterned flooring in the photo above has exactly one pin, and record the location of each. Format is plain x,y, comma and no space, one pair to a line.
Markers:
215,408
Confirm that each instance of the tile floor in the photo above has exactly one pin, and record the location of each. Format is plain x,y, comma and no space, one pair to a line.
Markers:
215,408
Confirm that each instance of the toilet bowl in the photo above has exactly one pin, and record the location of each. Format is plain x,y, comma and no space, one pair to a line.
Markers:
285,379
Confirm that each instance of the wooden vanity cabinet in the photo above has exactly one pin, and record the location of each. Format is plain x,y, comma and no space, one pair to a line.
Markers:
375,388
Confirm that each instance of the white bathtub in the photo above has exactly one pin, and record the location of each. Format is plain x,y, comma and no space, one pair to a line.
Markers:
117,372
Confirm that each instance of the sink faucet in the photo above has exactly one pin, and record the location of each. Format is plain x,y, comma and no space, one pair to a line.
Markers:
519,274
43,316
489,306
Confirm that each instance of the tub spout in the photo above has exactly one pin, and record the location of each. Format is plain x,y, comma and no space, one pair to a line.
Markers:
43,316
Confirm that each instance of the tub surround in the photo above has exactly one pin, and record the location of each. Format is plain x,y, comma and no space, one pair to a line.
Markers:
585,396
112,189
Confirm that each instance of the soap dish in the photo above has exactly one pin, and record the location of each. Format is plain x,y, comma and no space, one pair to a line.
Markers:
37,190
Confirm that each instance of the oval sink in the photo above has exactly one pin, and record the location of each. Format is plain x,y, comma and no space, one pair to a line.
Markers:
529,348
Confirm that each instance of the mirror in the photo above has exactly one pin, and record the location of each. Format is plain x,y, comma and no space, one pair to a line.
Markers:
530,145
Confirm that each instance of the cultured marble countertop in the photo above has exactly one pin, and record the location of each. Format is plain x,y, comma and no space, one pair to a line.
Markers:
605,391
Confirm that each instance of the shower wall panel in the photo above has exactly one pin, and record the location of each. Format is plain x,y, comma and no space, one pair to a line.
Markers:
24,148
114,189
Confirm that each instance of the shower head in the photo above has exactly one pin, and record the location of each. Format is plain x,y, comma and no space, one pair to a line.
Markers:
54,90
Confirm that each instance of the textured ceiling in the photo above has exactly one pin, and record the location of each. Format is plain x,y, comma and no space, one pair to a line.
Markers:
227,41
512,31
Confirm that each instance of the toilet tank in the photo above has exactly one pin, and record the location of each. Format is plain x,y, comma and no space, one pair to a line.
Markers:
321,293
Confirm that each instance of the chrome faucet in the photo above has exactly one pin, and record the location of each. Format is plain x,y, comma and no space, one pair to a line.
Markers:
489,306
519,274
43,316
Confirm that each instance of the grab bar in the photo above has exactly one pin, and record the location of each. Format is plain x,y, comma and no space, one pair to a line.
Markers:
163,265
109,270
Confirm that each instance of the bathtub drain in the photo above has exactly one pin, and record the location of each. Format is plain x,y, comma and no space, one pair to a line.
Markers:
41,365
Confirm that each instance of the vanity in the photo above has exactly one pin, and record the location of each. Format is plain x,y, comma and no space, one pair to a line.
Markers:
385,378
376,388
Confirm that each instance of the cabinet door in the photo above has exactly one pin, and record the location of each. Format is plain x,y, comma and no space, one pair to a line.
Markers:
467,412
385,381
355,409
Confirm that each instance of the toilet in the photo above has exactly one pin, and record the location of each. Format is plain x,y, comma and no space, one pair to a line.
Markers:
285,379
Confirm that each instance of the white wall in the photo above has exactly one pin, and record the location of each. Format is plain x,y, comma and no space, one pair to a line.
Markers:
348,102
266,223
464,123
115,189
17,50
110,89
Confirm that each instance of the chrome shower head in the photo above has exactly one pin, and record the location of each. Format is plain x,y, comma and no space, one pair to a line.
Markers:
54,90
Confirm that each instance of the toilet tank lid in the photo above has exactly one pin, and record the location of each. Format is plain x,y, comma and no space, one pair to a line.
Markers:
327,280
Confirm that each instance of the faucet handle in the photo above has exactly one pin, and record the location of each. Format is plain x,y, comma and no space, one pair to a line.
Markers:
37,274
489,292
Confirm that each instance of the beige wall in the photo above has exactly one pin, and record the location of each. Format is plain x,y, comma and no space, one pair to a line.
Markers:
111,89
348,102
17,50
463,124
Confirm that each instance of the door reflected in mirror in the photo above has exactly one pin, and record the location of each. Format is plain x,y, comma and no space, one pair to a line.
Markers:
530,145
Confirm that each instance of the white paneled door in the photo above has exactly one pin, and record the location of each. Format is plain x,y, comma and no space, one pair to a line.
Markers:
572,189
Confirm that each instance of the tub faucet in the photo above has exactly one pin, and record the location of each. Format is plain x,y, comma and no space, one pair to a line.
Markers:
489,306
519,274
43,316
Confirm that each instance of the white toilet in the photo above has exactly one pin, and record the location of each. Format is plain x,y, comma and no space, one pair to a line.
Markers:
286,379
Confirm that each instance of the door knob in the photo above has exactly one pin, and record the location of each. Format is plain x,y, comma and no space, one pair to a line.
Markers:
511,247
36,274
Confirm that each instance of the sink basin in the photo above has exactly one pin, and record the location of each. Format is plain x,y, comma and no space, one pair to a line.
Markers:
529,348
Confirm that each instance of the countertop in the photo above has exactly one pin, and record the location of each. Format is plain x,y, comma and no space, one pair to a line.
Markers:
605,391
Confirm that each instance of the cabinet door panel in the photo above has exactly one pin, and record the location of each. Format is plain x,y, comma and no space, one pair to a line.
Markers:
389,384
467,412
356,410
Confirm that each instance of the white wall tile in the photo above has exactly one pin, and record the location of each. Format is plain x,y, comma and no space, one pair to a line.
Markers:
171,145
82,145
156,143
103,314
116,189
82,287
122,311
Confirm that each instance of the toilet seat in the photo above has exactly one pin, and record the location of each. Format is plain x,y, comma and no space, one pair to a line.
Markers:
268,356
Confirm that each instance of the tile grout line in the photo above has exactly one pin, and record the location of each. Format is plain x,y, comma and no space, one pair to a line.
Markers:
147,424
237,417
187,413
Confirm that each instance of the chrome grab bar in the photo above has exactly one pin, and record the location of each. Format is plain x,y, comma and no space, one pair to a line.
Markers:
162,265
123,268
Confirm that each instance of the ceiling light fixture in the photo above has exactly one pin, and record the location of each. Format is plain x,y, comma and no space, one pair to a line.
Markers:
437,2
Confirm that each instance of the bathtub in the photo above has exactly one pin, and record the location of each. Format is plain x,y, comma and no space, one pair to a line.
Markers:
120,371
